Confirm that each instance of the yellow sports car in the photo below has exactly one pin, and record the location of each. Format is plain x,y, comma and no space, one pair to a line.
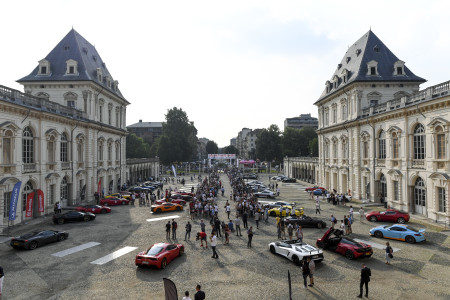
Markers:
285,211
119,195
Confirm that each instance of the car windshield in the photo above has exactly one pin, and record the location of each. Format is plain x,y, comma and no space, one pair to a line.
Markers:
350,242
155,250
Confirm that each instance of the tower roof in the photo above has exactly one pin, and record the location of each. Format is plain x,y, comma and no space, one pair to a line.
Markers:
369,48
74,46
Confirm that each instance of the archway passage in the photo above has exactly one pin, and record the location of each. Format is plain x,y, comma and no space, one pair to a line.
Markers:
383,188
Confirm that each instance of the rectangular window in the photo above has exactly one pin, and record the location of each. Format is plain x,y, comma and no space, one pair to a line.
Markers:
7,155
6,203
71,103
396,191
419,147
366,149
395,144
440,139
109,117
43,70
399,70
71,70
442,200
51,196
327,116
51,151
80,152
101,113
382,145
334,115
373,71
344,112
117,119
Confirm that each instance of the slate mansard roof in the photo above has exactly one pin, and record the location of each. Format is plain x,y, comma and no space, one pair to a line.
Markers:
369,48
74,46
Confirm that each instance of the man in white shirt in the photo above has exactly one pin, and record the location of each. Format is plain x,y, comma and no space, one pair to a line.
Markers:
214,244
361,214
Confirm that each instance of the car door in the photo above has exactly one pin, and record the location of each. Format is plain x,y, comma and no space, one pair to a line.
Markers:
167,206
284,249
393,232
389,216
172,250
50,236
307,222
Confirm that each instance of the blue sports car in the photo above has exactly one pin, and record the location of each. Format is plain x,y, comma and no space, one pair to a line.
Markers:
399,232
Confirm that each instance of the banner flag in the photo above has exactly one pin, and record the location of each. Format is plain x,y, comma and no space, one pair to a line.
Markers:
14,200
170,289
41,200
29,209
290,286
99,187
174,171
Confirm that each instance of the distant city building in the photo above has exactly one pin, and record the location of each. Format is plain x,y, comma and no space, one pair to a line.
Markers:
246,143
149,131
304,120
233,142
201,149
65,136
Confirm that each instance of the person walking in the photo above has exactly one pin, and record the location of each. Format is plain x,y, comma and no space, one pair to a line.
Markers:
345,225
2,276
365,278
200,295
257,216
202,237
317,207
187,235
250,237
305,272
244,219
186,296
361,214
312,270
174,229
299,233
168,226
228,209
333,221
237,223
290,230
213,245
351,211
388,254
202,226
283,228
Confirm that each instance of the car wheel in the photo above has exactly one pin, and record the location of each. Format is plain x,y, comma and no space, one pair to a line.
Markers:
33,245
178,208
103,211
158,210
61,238
373,219
181,251
164,263
321,245
349,254
410,239
378,234
319,225
296,260
86,218
401,220
272,250
60,221
273,214
124,202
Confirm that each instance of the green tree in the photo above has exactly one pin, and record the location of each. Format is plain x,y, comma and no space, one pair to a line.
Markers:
268,144
314,147
211,147
136,147
291,141
230,150
178,141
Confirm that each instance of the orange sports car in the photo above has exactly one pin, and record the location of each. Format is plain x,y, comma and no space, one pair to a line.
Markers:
119,195
168,206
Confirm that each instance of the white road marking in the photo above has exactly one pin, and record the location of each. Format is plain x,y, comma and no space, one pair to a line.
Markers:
376,245
113,255
163,218
75,249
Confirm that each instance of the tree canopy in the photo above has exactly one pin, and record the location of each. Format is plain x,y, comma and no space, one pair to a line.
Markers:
211,147
178,141
136,147
297,142
268,144
230,150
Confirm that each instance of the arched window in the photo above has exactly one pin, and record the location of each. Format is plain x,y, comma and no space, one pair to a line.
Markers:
117,151
28,188
395,145
64,149
51,149
100,150
335,150
27,146
440,142
382,145
8,141
327,150
419,142
383,188
64,189
420,195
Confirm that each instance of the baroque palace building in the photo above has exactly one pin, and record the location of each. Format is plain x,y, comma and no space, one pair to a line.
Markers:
66,134
381,138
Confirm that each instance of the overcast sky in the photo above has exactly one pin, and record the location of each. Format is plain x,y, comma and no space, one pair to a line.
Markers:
228,64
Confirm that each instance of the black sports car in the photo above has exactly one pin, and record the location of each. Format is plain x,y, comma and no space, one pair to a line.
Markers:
306,221
36,239
289,180
73,216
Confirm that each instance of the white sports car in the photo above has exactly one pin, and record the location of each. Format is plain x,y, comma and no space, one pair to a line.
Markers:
296,251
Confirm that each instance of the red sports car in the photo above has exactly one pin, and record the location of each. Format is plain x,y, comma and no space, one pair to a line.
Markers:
159,255
390,215
187,194
114,201
177,201
311,189
96,209
181,196
333,240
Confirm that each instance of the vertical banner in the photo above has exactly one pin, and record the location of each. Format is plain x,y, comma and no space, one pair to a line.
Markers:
41,200
14,200
290,286
170,289
174,171
29,211
99,187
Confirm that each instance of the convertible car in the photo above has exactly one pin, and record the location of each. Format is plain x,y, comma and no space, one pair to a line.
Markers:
296,251
167,206
119,195
399,232
95,209
285,211
306,221
333,240
159,255
36,239
389,215
73,216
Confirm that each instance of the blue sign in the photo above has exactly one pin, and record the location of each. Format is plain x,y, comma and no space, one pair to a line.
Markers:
174,171
14,200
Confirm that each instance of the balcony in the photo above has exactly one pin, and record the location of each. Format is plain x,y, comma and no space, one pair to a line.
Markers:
7,169
65,165
381,162
29,168
51,166
440,165
418,164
